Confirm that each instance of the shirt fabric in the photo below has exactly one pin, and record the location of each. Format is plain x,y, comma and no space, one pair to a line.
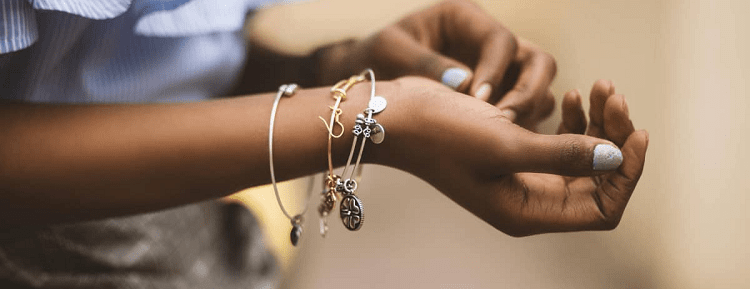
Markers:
118,51
95,51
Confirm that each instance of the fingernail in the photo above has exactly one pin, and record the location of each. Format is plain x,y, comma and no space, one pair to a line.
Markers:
509,113
453,77
606,157
484,92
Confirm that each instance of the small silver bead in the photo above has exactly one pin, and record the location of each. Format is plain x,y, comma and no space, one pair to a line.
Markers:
290,89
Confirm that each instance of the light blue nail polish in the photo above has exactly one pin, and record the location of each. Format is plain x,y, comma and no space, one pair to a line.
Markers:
453,77
606,157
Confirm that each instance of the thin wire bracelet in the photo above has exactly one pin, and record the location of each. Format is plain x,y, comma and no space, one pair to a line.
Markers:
328,196
354,142
351,209
285,90
338,92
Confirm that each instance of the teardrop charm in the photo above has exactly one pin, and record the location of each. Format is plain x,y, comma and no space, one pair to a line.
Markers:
295,234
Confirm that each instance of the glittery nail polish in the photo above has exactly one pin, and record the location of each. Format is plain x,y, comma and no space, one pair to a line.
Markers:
606,157
453,77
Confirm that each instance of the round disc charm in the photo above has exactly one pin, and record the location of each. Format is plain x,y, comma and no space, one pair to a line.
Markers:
378,134
351,213
377,104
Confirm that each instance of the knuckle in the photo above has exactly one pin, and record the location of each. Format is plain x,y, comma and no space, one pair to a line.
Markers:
453,3
549,63
522,87
547,105
572,156
509,40
385,35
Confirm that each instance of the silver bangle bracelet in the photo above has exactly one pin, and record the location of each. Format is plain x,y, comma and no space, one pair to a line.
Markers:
296,220
351,208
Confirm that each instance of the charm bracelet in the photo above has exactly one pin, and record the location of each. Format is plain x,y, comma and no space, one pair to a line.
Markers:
329,196
296,233
351,208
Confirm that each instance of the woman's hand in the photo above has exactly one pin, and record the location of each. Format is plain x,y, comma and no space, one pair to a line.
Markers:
465,48
520,182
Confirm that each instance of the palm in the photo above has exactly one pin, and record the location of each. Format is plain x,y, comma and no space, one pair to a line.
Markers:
518,181
563,203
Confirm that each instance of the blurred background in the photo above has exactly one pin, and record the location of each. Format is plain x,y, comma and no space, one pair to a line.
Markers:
683,67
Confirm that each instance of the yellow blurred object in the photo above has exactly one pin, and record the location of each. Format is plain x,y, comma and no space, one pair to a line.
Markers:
276,227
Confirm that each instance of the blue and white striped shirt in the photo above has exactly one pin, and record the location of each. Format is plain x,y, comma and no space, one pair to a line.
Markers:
84,51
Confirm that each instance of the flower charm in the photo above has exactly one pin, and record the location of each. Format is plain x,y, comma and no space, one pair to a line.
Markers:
351,213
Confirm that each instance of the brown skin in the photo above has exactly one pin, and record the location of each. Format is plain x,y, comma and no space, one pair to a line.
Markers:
520,182
456,34
61,163
453,33
73,162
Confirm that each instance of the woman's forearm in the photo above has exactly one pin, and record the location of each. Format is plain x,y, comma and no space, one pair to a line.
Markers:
62,163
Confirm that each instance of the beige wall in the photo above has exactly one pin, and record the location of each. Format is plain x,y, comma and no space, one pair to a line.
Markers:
683,66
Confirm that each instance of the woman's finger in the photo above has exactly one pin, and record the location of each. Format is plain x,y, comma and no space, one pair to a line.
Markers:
496,54
544,203
617,124
399,50
613,194
470,34
538,69
600,92
573,115
567,154
542,110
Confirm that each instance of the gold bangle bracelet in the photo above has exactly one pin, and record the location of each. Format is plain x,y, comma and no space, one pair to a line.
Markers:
328,197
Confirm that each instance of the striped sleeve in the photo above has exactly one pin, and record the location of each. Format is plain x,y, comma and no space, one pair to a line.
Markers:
91,9
18,27
179,18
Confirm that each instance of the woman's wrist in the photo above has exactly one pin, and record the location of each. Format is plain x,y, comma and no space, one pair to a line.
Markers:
390,118
398,121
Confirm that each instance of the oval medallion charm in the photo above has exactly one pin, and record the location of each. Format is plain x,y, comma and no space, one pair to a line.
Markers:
295,234
377,104
351,213
378,134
